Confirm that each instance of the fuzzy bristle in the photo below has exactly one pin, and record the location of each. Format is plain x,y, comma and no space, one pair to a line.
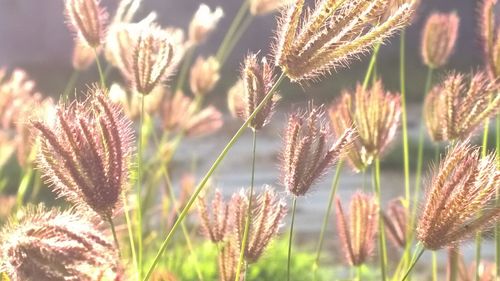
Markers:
439,38
88,19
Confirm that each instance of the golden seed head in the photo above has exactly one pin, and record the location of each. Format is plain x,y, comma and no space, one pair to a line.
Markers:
85,154
490,37
439,38
375,114
235,99
228,261
203,23
460,197
459,104
308,151
395,220
87,18
83,56
204,75
309,46
262,7
182,114
49,245
266,217
257,80
214,220
358,235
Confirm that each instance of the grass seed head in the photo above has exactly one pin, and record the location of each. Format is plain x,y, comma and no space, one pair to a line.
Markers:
460,197
395,221
87,18
489,35
203,23
439,38
85,154
357,233
214,221
204,75
308,151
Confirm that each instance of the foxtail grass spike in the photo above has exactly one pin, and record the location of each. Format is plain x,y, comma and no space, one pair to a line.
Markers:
214,223
439,38
204,75
203,23
87,18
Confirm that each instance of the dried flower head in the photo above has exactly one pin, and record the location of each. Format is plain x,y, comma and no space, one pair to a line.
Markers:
266,217
395,221
258,79
375,114
455,107
87,18
49,245
131,102
439,38
215,223
154,59
235,99
490,37
358,236
308,152
83,56
262,7
181,114
203,23
204,75
228,261
86,153
333,33
460,198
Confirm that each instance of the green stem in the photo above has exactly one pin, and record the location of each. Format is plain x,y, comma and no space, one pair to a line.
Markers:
421,133
237,36
70,84
130,234
381,236
434,266
416,256
359,272
335,184
99,68
139,188
223,48
290,239
249,210
484,152
115,237
371,66
207,176
184,69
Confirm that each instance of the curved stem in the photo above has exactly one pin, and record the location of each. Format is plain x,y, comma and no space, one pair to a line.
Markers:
381,236
130,233
434,266
223,48
290,239
207,176
335,184
113,231
371,65
99,68
139,189
237,36
249,210
416,256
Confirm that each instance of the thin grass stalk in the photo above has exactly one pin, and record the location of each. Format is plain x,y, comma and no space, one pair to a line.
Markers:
453,265
479,238
139,189
115,237
70,84
497,228
185,232
290,239
209,173
130,231
99,68
221,52
419,251
24,185
421,135
359,272
434,266
381,237
335,184
371,65
404,121
249,210
186,62
237,36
